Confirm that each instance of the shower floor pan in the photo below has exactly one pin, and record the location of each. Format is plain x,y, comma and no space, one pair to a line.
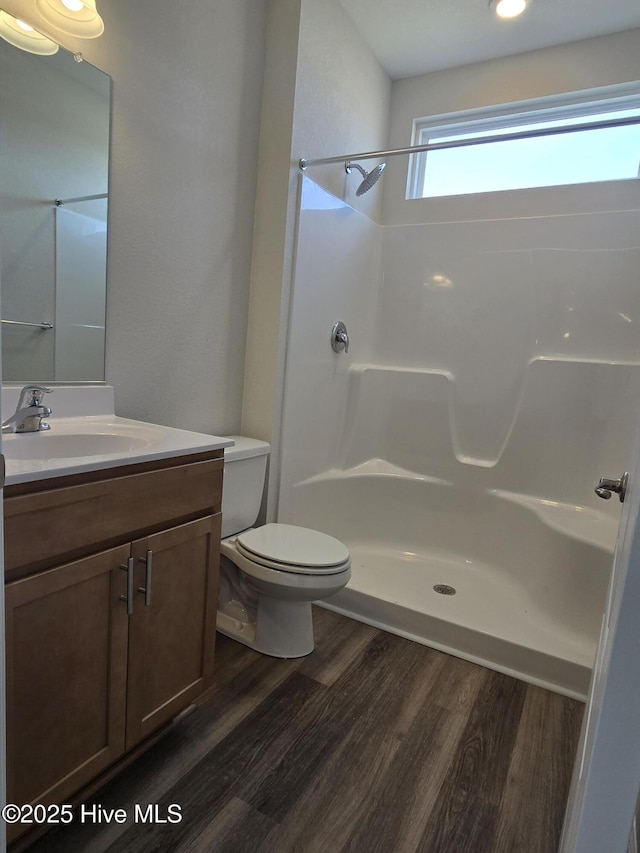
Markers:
489,620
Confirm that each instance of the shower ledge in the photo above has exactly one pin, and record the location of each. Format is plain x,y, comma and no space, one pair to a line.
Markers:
376,467
578,522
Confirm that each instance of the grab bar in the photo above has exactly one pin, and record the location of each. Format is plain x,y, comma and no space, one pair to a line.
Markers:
32,325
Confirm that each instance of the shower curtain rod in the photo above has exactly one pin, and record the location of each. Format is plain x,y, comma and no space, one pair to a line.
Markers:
60,201
462,143
22,323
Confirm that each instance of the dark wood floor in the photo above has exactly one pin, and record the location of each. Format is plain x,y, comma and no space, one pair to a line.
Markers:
372,743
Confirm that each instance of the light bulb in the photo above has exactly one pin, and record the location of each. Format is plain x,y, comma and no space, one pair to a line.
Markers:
77,18
508,8
22,35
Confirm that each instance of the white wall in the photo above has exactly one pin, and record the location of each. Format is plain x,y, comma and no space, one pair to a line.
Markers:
502,295
339,105
337,277
342,100
274,223
582,65
325,94
187,83
490,354
187,86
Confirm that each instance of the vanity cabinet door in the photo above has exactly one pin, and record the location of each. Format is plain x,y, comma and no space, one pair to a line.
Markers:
66,638
172,627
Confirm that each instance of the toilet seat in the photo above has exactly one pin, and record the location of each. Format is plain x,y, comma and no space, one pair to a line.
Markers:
288,548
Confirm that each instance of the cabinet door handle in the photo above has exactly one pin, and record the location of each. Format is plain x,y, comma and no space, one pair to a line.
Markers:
129,596
146,589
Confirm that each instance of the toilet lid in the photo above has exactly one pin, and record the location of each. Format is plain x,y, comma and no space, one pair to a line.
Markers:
293,548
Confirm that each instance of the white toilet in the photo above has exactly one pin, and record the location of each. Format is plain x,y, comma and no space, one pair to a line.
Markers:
270,575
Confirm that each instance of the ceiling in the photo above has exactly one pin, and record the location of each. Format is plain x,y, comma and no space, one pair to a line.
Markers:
415,36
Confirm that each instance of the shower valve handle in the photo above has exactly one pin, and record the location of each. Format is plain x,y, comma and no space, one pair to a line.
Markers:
339,337
606,487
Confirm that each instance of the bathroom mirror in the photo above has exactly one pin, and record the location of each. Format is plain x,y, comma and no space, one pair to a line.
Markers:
54,156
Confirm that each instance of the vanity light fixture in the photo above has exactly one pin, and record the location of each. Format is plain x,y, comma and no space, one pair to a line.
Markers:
22,35
78,18
508,8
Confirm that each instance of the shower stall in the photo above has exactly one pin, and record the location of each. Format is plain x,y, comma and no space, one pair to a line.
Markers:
492,377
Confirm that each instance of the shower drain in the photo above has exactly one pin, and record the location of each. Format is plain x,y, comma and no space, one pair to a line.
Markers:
444,589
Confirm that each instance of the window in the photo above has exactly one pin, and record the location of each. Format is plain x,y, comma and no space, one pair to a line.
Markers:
583,156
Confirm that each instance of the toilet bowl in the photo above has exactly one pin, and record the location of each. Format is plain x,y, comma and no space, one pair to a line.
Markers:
269,575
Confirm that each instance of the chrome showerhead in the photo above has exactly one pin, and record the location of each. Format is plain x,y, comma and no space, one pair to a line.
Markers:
369,178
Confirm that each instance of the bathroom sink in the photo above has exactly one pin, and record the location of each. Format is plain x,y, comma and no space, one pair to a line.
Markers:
51,445
86,435
82,438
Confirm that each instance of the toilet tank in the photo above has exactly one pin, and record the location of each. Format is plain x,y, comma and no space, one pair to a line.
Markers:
245,466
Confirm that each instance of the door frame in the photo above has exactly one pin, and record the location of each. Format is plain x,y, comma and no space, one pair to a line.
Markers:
3,693
606,775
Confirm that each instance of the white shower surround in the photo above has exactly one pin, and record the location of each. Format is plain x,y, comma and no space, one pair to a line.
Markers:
492,377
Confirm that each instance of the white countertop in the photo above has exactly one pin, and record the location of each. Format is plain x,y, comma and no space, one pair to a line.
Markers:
86,435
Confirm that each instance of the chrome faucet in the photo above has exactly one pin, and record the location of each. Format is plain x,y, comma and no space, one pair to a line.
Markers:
29,411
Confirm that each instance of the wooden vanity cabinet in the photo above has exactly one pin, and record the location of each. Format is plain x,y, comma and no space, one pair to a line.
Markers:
66,649
90,673
172,639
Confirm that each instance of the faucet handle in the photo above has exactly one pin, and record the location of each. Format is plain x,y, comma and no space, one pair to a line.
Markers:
339,337
31,395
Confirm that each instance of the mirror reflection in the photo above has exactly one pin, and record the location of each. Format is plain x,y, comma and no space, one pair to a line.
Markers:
54,144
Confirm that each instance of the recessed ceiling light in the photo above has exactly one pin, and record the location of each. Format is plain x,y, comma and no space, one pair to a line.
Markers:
508,8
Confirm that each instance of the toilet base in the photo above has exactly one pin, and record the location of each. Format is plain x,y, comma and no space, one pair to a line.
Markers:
283,629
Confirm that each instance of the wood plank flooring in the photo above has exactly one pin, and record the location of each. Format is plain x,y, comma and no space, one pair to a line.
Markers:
372,743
